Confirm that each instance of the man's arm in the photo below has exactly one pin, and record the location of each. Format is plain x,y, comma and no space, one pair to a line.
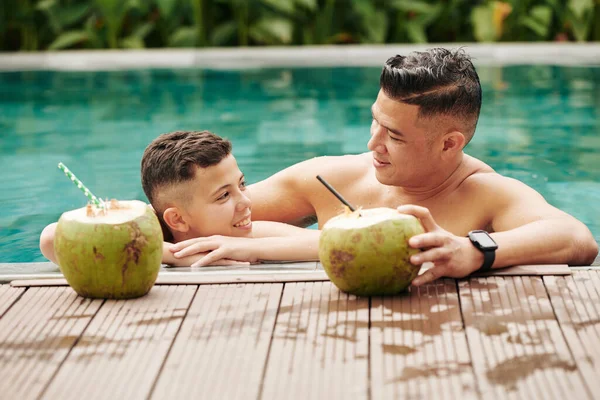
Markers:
295,194
284,197
526,228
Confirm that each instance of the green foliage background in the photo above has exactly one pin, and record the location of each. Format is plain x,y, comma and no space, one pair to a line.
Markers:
91,24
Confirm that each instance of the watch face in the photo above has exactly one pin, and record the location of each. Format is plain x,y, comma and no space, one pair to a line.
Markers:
484,240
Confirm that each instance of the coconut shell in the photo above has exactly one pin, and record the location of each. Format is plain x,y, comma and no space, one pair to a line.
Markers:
112,256
368,255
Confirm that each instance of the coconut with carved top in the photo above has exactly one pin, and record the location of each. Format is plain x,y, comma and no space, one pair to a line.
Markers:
366,252
111,253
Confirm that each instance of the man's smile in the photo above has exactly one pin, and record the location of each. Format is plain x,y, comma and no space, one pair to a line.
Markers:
379,164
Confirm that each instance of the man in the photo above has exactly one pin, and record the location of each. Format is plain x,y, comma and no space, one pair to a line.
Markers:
424,115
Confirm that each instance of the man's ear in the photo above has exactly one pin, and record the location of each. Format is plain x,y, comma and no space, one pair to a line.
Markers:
174,219
453,142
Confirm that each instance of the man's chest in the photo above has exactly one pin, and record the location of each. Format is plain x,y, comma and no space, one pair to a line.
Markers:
452,213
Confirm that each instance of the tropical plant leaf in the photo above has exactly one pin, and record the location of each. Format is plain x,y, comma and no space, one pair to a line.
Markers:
48,8
94,40
482,20
283,6
113,13
416,32
72,14
271,31
223,34
132,42
580,26
376,27
68,39
166,7
143,30
370,21
429,17
580,7
183,37
539,20
45,5
310,5
414,6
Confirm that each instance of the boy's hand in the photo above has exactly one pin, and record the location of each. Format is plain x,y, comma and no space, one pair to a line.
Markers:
218,248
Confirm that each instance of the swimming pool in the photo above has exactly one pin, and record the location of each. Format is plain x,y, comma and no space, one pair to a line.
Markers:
539,124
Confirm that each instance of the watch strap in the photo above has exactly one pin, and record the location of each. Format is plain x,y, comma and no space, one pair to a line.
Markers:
488,260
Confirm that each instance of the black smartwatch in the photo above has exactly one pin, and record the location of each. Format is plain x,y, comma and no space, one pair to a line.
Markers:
484,243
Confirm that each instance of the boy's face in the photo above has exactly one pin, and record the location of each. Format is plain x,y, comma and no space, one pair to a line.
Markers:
220,205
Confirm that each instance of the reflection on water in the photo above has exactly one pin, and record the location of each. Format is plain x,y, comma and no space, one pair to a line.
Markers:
539,124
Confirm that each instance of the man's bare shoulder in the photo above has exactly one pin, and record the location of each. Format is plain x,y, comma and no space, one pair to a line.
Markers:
349,161
483,180
294,193
335,169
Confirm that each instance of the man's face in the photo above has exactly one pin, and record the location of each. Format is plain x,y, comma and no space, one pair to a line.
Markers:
403,149
219,205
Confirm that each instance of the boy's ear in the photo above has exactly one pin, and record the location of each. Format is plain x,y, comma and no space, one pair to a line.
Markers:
174,219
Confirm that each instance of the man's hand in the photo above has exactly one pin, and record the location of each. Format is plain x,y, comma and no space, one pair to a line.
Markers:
452,256
217,249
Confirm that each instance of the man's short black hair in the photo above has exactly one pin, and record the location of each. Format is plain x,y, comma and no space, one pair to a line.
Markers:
439,81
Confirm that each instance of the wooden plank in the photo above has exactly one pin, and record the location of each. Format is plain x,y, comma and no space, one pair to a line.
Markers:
281,274
517,346
528,270
124,347
223,343
320,345
418,346
576,302
36,334
259,276
8,296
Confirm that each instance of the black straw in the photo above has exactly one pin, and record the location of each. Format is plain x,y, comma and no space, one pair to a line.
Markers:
336,194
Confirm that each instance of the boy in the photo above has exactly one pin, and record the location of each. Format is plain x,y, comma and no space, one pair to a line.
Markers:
199,194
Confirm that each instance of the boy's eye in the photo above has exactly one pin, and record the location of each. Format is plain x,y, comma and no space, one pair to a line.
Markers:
224,196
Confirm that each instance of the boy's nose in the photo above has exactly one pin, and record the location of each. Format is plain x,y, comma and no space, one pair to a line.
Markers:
244,202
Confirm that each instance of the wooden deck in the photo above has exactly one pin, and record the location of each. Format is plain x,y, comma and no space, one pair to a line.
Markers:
530,337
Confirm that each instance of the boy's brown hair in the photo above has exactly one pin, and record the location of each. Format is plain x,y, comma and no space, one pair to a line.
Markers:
172,159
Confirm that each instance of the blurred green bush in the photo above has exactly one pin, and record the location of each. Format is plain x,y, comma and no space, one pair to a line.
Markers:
90,24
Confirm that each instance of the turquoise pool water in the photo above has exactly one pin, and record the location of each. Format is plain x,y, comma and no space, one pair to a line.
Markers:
539,124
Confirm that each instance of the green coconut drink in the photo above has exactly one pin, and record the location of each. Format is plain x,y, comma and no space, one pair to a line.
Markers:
113,252
108,250
366,253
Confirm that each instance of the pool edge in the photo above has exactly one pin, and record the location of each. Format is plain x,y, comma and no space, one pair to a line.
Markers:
546,53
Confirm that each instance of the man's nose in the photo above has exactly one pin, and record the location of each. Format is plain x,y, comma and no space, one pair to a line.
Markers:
376,143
